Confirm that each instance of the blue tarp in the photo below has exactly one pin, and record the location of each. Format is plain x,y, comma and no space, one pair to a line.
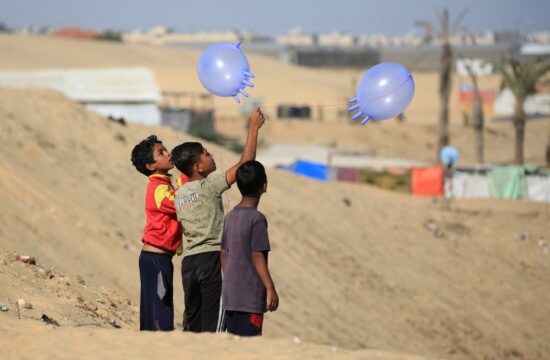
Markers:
310,169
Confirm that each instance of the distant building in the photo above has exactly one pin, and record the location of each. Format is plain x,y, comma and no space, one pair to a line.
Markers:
165,37
535,50
539,37
428,58
128,93
75,33
331,57
535,106
297,37
337,39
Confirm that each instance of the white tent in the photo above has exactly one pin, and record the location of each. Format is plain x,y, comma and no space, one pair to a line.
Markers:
535,105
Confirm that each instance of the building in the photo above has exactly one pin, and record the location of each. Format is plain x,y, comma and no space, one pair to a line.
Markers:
297,37
128,93
75,33
337,39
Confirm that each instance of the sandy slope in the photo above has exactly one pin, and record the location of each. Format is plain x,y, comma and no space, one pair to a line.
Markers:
368,275
87,317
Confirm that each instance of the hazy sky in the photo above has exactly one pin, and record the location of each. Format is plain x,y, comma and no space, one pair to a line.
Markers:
273,17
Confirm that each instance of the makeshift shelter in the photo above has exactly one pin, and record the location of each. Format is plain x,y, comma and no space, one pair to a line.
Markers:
427,181
501,182
310,169
463,185
537,105
538,188
507,182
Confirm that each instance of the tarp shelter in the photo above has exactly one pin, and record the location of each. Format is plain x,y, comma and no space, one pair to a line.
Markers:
538,188
395,181
502,182
427,181
347,174
507,182
310,169
283,155
467,186
129,93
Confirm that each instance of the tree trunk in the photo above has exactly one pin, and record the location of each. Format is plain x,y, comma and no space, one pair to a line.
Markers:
478,125
519,124
444,91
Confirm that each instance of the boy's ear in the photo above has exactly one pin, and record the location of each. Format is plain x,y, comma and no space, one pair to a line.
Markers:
150,167
265,187
197,168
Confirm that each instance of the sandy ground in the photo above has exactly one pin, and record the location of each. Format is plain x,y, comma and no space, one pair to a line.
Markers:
357,268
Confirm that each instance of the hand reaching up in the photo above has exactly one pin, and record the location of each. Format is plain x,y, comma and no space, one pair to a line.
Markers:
256,119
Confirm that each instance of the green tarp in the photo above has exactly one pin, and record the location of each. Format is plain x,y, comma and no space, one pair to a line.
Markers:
507,182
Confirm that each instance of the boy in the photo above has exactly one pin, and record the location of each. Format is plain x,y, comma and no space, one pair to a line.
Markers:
161,236
200,210
248,290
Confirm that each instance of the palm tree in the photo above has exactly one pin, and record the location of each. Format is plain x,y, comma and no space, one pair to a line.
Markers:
443,33
521,78
478,117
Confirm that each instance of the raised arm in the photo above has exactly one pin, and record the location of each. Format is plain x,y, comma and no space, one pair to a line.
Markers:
255,122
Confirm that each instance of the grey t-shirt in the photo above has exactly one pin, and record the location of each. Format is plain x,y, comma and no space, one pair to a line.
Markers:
244,231
199,208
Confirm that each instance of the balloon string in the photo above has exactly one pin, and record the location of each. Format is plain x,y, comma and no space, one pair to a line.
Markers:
315,106
391,92
218,142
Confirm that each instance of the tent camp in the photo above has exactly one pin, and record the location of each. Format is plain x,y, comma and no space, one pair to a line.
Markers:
535,106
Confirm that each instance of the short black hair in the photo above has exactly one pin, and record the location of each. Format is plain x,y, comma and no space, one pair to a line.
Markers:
142,154
251,178
185,155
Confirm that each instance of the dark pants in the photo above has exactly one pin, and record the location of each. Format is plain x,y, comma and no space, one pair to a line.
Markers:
156,307
202,283
243,323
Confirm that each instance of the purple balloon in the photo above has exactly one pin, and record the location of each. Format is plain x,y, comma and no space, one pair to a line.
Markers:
224,70
385,91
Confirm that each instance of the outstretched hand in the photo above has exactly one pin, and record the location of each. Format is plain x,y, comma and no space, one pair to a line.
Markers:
256,119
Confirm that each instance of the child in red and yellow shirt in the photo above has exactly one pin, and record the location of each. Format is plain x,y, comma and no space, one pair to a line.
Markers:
161,237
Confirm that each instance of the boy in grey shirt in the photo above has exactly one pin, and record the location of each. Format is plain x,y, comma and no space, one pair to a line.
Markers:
199,209
248,290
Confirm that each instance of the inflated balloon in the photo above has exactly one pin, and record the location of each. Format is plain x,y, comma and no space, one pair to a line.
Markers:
385,91
449,155
224,70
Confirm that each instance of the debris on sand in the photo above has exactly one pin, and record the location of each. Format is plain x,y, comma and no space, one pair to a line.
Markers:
26,259
48,320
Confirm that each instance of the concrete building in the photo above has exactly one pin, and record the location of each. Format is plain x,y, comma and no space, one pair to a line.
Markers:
337,39
297,37
128,93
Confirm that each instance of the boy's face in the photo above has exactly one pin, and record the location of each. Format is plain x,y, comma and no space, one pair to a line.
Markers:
206,164
163,162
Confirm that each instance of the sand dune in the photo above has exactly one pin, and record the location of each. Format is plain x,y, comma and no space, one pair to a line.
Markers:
356,267
369,275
